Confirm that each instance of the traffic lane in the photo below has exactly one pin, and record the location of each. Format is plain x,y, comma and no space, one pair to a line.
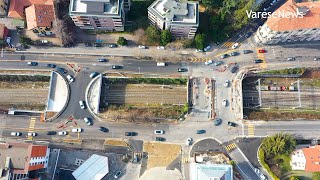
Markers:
22,65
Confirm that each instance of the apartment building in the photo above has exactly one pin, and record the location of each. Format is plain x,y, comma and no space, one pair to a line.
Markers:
99,14
303,25
181,18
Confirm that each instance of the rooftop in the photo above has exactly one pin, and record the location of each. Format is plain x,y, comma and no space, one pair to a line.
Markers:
95,7
16,9
312,155
39,15
211,171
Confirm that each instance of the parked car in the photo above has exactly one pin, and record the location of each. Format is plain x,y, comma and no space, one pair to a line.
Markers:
103,129
208,62
97,45
51,65
142,47
316,59
224,56
207,48
130,133
116,67
32,63
226,83
235,45
32,134
88,121
70,78
217,63
62,133
94,74
182,70
262,51
258,61
161,47
118,174
291,58
16,133
224,103
82,104
51,133
189,141
159,139
112,46
63,71
232,124
158,131
199,50
201,131
217,121
247,51
102,60
234,69
234,53
88,44
76,130
248,34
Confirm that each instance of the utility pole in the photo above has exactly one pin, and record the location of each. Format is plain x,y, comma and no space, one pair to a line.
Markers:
298,84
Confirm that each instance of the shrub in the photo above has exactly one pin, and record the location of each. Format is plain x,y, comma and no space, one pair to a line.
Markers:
122,41
265,165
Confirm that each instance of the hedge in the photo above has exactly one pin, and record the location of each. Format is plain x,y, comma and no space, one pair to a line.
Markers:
22,78
285,71
265,165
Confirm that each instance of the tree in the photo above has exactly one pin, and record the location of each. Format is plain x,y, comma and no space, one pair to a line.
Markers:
294,178
25,40
122,41
153,35
278,144
165,37
212,3
200,41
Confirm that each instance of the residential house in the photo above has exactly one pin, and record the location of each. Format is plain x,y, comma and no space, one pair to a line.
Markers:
306,159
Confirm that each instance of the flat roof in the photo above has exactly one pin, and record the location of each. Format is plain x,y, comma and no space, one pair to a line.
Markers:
211,171
95,7
96,167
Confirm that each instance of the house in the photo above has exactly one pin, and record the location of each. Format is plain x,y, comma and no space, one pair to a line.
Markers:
306,159
17,7
3,31
292,22
21,160
108,15
181,18
40,18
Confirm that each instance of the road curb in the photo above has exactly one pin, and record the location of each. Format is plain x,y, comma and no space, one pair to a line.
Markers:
87,98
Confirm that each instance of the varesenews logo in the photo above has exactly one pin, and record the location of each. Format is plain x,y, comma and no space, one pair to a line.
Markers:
278,14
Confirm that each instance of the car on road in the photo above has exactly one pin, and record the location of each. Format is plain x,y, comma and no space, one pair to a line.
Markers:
217,63
62,133
291,58
16,133
32,134
116,67
87,44
235,45
224,56
97,45
88,121
189,141
161,48
94,74
76,130
182,70
82,104
246,51
118,174
112,46
70,78
159,139
51,65
233,124
217,121
102,60
158,132
142,47
201,131
262,51
63,71
207,48
103,129
199,50
316,59
161,64
234,53
226,83
51,133
208,62
248,34
234,69
130,133
32,63
224,103
258,61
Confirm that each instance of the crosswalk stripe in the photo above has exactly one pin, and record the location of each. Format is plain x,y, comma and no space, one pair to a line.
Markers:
31,127
185,159
250,130
138,155
231,146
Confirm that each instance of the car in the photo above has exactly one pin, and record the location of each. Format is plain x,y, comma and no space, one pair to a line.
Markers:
258,61
51,65
234,69
158,132
32,63
82,104
63,71
88,121
316,59
159,139
232,124
201,131
226,83
161,48
189,141
116,67
208,62
88,44
51,133
103,129
94,74
97,45
32,134
112,46
224,56
248,34
16,133
262,51
217,121
102,60
182,70
70,78
235,45
217,63
75,130
130,133
246,51
199,50
234,53
207,48
62,133
118,174
291,58
142,47
224,103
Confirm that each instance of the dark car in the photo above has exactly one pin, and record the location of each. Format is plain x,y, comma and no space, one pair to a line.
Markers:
217,121
182,70
32,63
224,56
232,124
112,46
130,133
201,131
51,65
247,51
234,53
248,34
234,69
88,44
258,61
116,67
51,133
118,174
97,45
103,129
159,139
102,60
62,70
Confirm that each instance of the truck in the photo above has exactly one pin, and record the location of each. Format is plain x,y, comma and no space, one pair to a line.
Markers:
161,64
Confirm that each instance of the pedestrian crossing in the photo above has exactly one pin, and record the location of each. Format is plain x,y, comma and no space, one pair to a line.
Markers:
250,130
262,57
138,154
185,159
229,44
231,147
31,127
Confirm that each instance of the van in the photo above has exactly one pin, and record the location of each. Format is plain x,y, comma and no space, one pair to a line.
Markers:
161,64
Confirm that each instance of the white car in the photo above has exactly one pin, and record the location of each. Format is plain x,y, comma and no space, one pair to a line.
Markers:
226,83
224,103
70,78
82,105
208,62
161,47
16,134
189,141
76,130
88,121
199,50
158,131
32,134
62,133
141,47
235,45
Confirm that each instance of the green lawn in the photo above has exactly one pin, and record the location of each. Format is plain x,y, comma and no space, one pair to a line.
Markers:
284,163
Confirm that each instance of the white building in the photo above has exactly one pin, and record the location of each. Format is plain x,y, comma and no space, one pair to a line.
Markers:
306,159
298,161
303,25
181,18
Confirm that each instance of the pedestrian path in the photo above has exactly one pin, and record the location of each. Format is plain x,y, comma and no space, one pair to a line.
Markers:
250,130
31,126
231,147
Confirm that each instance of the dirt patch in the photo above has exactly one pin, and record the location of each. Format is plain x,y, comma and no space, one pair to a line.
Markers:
281,114
114,142
160,154
311,73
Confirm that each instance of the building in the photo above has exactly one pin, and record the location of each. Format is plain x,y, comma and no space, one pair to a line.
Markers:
40,18
96,167
306,159
210,171
106,15
3,31
3,7
17,7
181,18
302,24
21,160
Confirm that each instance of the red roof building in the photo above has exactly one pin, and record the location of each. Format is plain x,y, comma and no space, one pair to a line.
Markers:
17,7
312,155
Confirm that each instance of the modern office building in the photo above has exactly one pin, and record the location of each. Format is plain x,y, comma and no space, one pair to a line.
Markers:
181,18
